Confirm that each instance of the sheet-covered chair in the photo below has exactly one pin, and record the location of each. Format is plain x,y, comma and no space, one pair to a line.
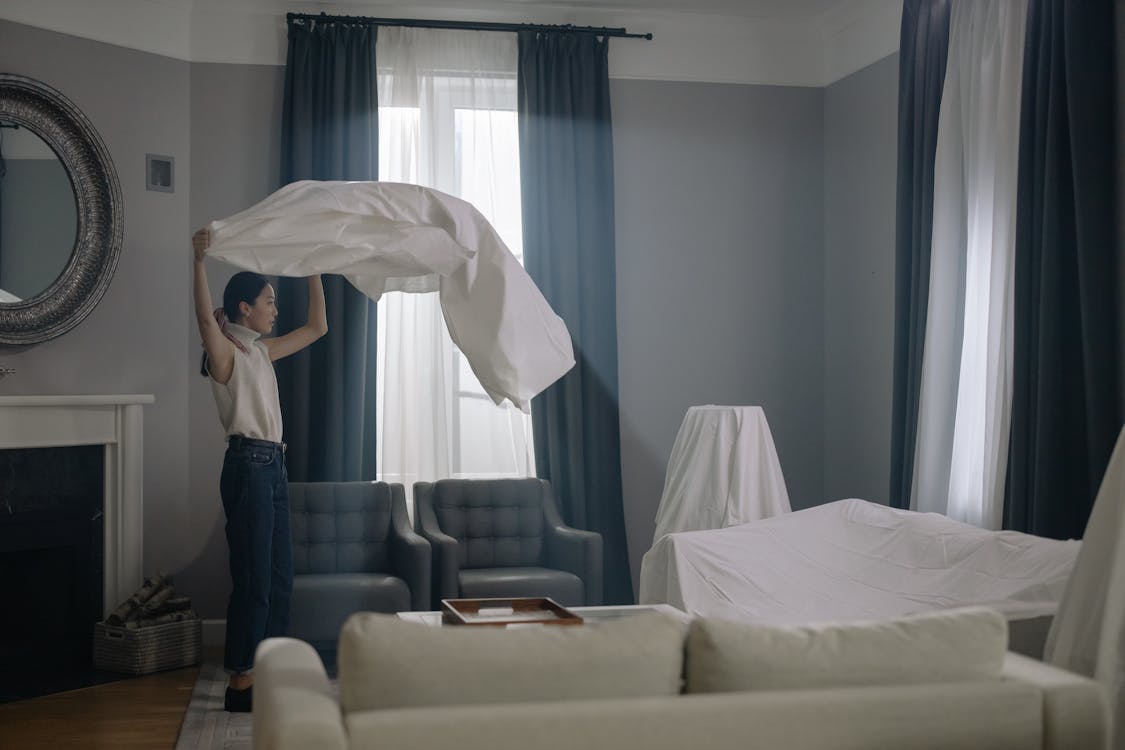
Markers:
723,471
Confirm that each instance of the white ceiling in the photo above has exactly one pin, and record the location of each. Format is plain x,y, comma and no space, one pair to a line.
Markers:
772,42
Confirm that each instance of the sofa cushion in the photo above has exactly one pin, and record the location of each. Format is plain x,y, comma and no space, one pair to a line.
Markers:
387,662
948,645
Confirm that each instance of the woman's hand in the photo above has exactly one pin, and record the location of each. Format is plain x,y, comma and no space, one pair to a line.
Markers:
200,241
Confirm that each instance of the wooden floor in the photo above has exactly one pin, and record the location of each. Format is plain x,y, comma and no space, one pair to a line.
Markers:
139,712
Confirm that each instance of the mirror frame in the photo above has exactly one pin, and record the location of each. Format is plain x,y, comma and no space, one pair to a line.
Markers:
97,197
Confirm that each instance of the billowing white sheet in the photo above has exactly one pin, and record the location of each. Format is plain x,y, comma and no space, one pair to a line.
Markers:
1088,634
854,560
384,237
723,471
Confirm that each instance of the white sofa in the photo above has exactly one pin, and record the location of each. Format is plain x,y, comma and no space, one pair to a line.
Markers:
935,681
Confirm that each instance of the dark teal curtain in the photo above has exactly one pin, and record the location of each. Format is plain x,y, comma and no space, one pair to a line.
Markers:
329,131
1066,406
923,47
566,173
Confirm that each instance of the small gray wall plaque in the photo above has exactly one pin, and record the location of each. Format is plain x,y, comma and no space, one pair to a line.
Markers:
160,173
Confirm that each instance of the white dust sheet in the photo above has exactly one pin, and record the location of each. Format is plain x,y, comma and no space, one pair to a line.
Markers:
854,560
385,236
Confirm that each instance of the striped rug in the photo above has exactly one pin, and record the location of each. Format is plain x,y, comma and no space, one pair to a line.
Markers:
206,725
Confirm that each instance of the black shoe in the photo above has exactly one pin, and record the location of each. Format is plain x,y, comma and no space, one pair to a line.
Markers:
239,701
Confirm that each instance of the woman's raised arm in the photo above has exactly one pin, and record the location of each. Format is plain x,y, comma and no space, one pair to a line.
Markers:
220,351
299,338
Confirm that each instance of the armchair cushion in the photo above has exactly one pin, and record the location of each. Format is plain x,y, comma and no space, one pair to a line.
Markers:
942,646
322,602
387,662
481,583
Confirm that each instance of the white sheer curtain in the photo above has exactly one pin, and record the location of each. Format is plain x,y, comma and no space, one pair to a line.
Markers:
447,120
966,393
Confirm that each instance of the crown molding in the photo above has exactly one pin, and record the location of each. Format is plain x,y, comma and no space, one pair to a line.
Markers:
857,34
686,46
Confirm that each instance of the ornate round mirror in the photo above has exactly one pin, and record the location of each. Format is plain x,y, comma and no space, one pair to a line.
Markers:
60,213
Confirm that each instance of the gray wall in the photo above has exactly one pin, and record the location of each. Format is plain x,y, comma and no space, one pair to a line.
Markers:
235,137
133,341
37,224
860,136
719,274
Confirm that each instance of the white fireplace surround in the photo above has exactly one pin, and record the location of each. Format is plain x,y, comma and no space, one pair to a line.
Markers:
116,423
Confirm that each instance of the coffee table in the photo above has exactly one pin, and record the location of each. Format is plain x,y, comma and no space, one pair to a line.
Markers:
587,613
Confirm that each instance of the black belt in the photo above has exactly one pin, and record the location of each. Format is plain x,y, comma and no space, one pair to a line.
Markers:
238,441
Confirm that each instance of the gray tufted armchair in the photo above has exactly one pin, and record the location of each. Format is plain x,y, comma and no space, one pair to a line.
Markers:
353,550
505,538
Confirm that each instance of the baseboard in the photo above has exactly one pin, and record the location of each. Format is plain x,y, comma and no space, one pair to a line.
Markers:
214,632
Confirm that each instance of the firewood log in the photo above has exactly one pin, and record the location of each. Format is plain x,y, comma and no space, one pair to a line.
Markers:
175,604
130,606
150,607
183,614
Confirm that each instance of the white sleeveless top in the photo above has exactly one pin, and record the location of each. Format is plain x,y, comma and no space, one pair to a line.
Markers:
248,402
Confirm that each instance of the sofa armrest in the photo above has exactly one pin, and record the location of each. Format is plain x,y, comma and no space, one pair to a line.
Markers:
573,550
446,564
1075,708
294,707
410,553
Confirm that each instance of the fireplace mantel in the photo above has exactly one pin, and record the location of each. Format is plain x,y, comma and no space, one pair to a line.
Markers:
115,422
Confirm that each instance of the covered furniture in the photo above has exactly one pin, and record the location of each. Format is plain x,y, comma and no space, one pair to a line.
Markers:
937,681
723,471
353,551
855,560
1088,633
505,538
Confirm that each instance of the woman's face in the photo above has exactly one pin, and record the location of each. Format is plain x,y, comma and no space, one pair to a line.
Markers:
261,316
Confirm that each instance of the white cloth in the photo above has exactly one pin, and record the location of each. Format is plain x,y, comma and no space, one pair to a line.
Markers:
248,402
1088,634
392,237
854,560
723,471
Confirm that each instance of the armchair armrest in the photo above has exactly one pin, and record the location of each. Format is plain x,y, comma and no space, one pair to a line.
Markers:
446,563
410,553
1075,708
573,550
293,704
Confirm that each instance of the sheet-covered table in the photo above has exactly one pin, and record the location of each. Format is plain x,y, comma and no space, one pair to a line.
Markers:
854,560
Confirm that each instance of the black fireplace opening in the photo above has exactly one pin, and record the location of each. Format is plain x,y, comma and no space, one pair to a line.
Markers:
51,568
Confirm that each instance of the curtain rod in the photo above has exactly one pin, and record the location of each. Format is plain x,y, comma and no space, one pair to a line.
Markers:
472,25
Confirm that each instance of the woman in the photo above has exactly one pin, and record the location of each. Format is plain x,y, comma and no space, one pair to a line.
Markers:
254,485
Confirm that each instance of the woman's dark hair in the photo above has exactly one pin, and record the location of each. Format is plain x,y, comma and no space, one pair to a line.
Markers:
244,286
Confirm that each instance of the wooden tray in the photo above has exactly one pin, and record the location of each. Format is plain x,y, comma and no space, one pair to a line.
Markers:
502,612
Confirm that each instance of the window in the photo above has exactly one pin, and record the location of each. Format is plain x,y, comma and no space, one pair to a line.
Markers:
455,131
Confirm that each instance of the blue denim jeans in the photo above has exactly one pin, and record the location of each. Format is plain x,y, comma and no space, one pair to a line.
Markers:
255,492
